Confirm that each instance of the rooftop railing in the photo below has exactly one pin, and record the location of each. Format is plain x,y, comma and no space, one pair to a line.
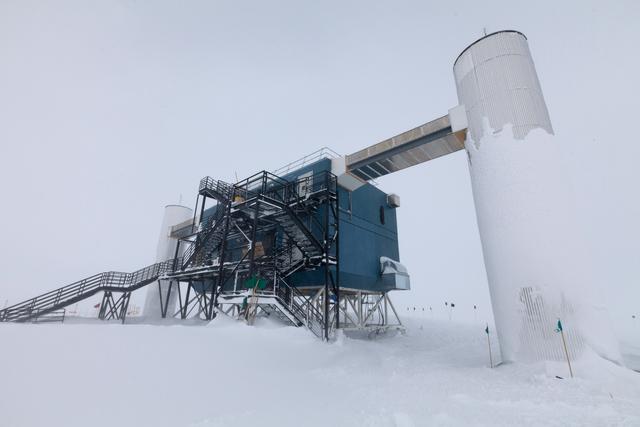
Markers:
323,153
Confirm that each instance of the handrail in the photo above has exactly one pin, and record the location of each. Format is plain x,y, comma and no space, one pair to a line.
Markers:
57,298
225,190
51,316
268,184
322,153
210,227
307,313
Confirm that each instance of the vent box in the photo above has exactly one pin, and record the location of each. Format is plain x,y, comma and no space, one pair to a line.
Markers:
393,200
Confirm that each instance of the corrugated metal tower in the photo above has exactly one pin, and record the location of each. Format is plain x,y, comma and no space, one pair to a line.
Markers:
496,78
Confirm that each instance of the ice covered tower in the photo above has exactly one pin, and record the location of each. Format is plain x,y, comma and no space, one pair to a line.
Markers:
536,266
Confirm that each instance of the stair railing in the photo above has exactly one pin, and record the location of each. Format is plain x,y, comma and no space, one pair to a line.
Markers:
209,228
59,298
305,312
217,188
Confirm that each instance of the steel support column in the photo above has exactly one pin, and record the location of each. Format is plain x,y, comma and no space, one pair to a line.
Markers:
213,302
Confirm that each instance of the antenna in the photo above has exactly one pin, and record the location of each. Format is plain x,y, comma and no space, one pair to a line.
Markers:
485,30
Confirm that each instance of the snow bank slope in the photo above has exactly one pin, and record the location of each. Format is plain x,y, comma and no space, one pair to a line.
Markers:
228,374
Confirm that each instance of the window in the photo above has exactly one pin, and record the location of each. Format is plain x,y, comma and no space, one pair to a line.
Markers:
382,215
305,184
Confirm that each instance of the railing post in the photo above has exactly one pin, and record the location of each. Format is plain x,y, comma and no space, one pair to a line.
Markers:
326,265
175,255
254,234
337,243
214,295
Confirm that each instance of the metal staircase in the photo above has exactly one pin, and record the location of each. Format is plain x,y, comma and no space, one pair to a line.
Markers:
222,250
298,233
108,282
300,306
289,259
208,239
283,301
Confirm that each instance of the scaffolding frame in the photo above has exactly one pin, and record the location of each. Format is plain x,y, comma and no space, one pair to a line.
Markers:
302,215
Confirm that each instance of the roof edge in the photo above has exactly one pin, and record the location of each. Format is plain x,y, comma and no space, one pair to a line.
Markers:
484,37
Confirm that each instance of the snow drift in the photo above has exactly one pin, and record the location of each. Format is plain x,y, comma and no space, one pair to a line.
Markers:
229,374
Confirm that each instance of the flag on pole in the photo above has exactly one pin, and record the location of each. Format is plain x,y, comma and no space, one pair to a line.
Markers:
97,305
486,330
564,345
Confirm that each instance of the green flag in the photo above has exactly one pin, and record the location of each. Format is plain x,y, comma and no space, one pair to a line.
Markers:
559,328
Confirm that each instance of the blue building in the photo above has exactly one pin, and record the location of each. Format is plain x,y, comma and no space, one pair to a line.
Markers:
368,231
310,244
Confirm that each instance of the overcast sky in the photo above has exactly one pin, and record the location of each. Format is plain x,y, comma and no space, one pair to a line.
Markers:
111,109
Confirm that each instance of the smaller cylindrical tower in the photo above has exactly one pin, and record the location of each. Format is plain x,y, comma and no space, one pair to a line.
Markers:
496,78
173,214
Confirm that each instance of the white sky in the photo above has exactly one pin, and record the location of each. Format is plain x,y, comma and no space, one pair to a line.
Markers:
110,110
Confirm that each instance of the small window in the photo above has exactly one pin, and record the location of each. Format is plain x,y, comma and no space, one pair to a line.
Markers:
382,215
305,184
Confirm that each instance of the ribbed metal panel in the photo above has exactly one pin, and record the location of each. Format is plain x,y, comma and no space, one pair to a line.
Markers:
496,78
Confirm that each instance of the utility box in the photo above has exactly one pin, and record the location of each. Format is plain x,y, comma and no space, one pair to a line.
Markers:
393,200
394,275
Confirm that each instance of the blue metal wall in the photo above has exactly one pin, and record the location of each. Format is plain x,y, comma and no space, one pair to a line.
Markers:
363,237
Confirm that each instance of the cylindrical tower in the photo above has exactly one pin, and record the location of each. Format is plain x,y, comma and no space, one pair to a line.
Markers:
173,214
496,78
537,267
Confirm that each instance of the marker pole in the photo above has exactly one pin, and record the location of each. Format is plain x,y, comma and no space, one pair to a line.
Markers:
564,344
490,356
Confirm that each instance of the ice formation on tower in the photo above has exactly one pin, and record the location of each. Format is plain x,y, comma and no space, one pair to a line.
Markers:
537,266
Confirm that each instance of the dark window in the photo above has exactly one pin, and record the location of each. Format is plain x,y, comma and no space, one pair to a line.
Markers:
382,215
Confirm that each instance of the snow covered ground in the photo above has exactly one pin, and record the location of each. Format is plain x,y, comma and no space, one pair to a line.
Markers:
229,374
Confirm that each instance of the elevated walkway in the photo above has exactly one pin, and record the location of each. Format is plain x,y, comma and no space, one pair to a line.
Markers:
437,138
108,282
